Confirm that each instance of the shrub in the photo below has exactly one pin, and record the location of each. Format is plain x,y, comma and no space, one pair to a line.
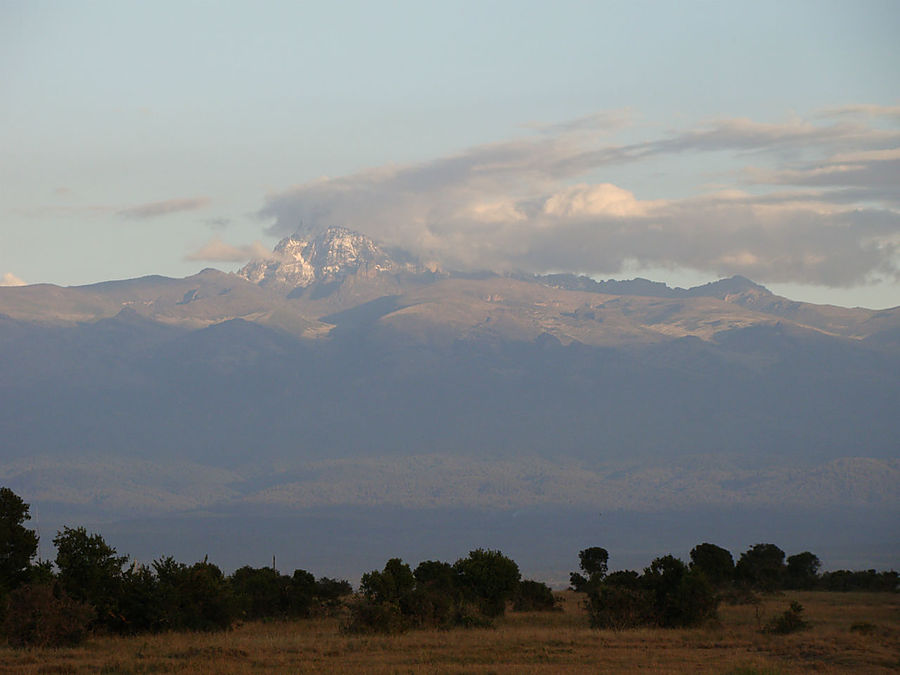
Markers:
261,592
330,591
690,603
38,617
790,621
370,616
194,598
619,608
667,594
534,596
488,578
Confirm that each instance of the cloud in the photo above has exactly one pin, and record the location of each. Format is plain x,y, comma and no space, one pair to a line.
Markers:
156,209
10,279
864,110
216,250
857,176
747,135
816,206
217,223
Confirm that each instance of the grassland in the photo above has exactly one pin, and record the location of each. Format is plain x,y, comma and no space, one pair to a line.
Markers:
557,642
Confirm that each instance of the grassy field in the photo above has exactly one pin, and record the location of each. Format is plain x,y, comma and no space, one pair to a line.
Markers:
557,642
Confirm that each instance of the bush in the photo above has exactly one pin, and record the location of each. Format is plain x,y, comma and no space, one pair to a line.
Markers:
38,617
194,598
330,591
790,621
370,616
619,608
488,578
534,596
261,593
691,603
668,594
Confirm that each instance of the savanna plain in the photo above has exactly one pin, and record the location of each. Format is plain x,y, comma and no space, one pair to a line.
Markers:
849,633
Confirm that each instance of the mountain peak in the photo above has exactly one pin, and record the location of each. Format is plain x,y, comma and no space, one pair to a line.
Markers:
725,287
337,252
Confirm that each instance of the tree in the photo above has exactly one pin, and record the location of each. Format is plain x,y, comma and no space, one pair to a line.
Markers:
714,562
389,585
18,545
301,593
662,578
803,570
761,566
437,575
90,571
488,577
594,563
261,592
194,598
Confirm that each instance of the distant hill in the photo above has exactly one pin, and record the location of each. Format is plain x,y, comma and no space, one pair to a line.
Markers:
340,374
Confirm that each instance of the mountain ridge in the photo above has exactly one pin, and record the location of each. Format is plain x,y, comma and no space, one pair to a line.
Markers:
375,384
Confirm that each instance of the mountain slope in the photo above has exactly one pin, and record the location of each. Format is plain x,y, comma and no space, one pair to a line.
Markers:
381,384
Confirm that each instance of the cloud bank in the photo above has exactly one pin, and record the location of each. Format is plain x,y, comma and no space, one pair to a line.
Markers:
809,201
10,279
156,209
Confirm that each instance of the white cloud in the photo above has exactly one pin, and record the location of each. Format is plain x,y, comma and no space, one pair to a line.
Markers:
604,199
527,204
10,279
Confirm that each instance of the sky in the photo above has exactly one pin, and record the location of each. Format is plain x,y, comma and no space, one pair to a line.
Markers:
678,141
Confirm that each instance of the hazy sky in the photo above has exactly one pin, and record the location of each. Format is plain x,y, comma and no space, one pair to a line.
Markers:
681,141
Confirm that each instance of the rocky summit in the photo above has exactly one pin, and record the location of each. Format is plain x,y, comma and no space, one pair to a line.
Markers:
299,261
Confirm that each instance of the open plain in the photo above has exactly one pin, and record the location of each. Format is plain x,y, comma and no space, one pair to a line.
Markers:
849,633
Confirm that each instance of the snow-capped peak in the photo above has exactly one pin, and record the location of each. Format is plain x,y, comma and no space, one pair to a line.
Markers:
300,260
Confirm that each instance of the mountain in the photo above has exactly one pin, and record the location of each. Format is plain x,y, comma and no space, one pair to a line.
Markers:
339,376
328,258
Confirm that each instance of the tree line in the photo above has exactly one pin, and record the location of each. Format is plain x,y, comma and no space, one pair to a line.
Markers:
90,587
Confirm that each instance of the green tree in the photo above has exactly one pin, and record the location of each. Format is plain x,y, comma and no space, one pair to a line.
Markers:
803,570
18,545
389,585
762,566
437,575
261,592
594,563
196,597
302,593
489,578
714,562
91,572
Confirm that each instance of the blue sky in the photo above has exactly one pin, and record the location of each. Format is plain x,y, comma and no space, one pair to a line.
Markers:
681,141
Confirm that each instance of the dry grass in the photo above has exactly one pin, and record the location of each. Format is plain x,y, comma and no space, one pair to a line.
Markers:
557,642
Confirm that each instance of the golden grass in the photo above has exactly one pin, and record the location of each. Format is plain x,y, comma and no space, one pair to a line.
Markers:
558,642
